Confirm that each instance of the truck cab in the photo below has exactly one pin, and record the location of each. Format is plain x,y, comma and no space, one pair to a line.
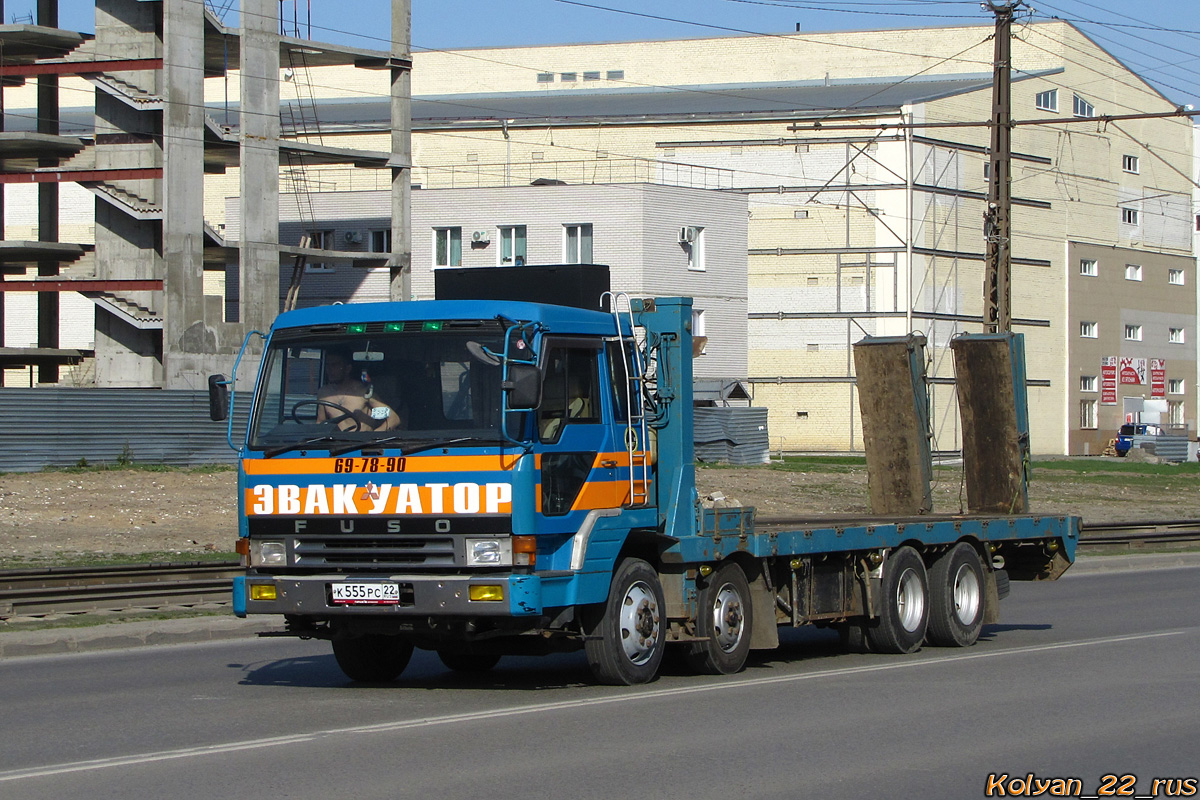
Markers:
449,474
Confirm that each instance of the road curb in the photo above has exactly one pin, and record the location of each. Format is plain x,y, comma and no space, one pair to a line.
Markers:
1093,564
122,635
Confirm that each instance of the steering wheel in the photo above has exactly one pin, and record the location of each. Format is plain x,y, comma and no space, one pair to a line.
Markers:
347,414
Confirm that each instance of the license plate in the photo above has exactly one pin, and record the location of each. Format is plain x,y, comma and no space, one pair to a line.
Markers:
365,594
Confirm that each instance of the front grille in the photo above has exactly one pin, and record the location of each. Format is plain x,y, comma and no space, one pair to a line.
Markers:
380,551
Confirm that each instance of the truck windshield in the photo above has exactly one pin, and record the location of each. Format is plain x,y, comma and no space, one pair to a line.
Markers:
335,390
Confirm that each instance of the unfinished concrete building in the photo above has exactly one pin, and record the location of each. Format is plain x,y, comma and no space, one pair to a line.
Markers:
168,306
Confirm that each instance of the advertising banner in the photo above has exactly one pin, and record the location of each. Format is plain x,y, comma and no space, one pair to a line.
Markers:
1133,371
1158,377
1108,381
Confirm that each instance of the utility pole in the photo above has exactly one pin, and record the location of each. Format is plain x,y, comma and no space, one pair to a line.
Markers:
997,281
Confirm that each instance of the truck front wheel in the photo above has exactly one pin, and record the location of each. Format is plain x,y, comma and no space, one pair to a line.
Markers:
724,622
905,600
625,637
372,658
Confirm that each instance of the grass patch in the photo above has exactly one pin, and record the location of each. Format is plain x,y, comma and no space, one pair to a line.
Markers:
112,559
1095,465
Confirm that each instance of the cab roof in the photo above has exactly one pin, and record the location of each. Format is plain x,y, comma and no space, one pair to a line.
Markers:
552,318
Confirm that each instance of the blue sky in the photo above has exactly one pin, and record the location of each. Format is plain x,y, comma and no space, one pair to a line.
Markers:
1158,39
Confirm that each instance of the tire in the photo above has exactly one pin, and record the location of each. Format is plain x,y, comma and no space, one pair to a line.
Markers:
725,619
625,637
956,598
904,617
373,658
468,662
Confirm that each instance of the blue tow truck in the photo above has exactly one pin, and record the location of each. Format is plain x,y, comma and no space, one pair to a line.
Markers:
501,477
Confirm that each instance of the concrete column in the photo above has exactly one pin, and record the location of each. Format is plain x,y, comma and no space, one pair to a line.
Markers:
401,278
47,122
186,331
259,273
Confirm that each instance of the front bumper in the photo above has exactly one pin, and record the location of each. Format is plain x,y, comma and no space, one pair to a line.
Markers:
420,595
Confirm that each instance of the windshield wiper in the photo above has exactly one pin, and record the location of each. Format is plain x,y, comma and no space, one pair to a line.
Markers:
413,446
271,452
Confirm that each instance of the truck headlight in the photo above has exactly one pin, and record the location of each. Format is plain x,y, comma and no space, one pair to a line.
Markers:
268,554
489,552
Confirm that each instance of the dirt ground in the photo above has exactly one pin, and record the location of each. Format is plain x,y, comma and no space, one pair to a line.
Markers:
49,514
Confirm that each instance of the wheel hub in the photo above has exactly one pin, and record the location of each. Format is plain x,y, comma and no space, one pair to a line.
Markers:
728,618
910,602
967,595
639,623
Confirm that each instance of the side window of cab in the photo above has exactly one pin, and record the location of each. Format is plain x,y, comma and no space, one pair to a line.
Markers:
570,393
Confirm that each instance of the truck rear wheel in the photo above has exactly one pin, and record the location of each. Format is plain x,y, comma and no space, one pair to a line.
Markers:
373,657
724,621
956,598
625,637
905,613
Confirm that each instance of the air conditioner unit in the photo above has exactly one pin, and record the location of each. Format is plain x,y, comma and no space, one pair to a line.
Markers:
688,234
483,237
353,237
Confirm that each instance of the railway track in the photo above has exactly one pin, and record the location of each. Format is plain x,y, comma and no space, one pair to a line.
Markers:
57,591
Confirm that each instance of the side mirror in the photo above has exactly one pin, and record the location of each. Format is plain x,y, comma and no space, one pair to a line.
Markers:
218,397
524,386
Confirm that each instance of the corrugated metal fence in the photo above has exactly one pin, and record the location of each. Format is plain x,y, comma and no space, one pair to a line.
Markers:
1166,446
60,427
734,435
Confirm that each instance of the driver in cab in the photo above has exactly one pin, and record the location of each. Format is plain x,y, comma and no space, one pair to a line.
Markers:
349,402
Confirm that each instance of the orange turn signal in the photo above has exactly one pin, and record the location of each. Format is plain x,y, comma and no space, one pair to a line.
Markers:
524,550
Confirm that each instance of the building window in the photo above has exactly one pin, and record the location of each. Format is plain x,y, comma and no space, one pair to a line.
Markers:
615,74
381,240
319,240
1175,412
1130,164
568,77
800,214
591,76
512,246
1129,216
545,77
1047,101
1088,330
1133,272
447,247
1133,333
1082,108
1175,386
1198,222
1175,277
699,333
1089,267
1175,335
987,170
577,244
1087,383
1087,414
691,239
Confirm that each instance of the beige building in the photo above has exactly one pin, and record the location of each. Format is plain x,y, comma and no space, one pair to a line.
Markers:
856,225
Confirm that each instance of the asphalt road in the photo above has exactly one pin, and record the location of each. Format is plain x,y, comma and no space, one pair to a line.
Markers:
1093,675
